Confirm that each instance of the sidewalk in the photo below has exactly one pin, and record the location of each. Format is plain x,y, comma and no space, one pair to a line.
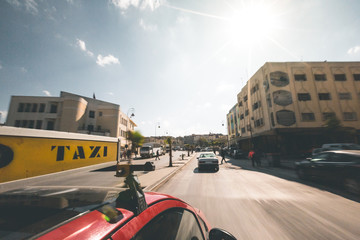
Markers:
285,172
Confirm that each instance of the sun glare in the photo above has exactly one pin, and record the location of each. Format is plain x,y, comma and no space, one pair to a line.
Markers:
251,23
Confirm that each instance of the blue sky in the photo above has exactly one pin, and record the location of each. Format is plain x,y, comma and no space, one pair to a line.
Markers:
178,63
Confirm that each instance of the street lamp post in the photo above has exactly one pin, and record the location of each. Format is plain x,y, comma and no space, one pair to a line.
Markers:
156,126
227,132
132,111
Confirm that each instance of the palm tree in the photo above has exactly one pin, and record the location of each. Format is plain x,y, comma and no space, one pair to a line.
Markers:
136,140
169,141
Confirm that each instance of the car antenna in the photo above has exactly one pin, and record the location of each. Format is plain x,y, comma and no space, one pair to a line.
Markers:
133,198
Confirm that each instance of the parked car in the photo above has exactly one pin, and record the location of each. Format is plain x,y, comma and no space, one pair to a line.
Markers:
99,213
340,146
208,160
335,166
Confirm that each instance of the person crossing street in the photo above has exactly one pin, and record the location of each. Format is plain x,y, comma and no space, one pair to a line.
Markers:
157,155
222,153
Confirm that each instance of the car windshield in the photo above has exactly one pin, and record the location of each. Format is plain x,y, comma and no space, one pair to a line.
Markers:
207,155
29,211
351,147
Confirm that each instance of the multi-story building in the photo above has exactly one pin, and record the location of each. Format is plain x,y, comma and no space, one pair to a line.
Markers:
283,107
69,113
194,138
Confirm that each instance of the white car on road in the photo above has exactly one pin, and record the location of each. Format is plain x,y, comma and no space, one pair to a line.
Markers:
208,160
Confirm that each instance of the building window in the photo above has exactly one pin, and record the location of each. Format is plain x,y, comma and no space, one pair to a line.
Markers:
241,116
345,96
285,117
91,114
31,124
90,128
268,100
356,76
320,77
243,130
340,77
27,107
246,112
100,114
245,98
328,115
17,123
254,89
21,107
307,117
42,107
53,108
50,125
24,123
259,122
38,124
240,104
304,97
255,106
324,96
279,79
350,116
34,107
99,128
300,77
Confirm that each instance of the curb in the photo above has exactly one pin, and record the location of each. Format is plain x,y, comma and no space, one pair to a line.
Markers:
157,185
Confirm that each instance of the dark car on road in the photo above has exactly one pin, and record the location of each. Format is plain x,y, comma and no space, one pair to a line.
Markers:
336,166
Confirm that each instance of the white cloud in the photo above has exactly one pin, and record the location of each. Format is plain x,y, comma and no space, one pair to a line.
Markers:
47,93
125,4
30,5
147,27
109,59
354,50
15,3
142,4
111,93
24,70
152,4
82,46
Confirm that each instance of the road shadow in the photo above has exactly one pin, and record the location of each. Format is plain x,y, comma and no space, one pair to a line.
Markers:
106,169
290,175
196,170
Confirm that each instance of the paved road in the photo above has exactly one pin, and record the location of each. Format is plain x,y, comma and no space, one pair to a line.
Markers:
266,203
98,176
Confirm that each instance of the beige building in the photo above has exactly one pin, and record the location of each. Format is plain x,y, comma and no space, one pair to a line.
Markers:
283,106
69,113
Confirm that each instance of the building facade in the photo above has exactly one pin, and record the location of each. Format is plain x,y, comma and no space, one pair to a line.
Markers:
69,113
284,106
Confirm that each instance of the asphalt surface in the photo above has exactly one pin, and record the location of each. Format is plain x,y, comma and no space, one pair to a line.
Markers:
102,175
267,203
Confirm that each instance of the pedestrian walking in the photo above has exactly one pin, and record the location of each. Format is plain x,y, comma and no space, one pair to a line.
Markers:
223,156
257,158
157,155
251,157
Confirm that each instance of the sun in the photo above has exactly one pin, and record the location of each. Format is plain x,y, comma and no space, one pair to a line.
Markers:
251,23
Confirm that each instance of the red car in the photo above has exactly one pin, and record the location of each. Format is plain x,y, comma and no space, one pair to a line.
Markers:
99,213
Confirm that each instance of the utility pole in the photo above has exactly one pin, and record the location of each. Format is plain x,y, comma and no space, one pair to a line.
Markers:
170,151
